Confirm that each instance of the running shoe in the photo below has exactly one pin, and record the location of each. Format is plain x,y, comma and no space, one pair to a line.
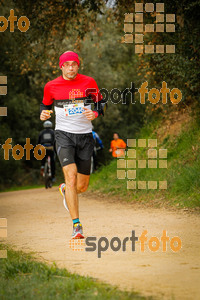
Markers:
77,231
62,191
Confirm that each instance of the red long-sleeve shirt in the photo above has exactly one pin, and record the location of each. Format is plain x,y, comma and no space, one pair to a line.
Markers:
59,91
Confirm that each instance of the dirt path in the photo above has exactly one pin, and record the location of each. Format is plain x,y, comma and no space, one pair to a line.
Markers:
37,221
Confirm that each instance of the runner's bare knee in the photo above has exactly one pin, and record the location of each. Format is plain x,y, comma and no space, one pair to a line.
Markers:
82,182
81,188
70,173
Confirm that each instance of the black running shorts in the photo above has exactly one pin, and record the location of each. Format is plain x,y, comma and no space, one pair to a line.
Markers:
75,148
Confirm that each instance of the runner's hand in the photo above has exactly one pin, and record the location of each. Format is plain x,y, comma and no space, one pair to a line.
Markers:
89,114
45,114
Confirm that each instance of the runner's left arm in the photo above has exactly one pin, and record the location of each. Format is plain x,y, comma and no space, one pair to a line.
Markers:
123,144
99,103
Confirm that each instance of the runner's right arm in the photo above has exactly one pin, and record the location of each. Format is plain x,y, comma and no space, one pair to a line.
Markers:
45,114
46,105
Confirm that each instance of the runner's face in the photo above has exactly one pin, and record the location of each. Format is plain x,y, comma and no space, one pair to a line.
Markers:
69,70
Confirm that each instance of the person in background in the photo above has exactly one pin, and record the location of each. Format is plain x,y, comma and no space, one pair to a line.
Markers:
100,143
46,139
117,146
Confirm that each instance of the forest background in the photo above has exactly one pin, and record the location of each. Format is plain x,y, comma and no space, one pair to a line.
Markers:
95,30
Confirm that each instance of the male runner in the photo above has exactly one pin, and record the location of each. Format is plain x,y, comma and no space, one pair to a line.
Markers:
73,130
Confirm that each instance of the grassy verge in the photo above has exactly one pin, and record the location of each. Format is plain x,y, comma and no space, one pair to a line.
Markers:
182,172
21,277
18,188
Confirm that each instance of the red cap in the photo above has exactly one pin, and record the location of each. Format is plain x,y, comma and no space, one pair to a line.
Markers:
68,56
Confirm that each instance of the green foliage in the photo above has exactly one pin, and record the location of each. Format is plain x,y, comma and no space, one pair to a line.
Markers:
182,173
95,31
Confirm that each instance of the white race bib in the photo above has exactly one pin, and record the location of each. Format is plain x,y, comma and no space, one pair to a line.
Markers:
73,109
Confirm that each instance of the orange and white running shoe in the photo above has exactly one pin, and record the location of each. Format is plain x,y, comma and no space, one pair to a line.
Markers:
62,191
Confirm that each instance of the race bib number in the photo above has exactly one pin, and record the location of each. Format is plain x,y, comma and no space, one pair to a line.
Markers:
73,109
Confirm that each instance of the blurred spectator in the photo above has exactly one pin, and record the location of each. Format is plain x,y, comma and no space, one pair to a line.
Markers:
117,146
